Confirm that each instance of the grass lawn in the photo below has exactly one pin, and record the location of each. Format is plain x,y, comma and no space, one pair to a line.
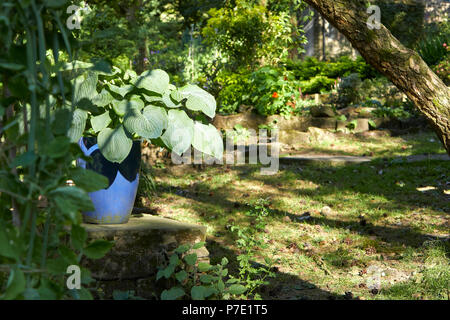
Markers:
378,230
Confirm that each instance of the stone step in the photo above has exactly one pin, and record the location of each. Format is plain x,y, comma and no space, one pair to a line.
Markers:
140,246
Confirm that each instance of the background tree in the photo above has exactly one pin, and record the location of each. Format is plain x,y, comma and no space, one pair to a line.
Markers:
403,66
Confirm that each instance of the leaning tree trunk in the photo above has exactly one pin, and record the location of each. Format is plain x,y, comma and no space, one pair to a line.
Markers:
403,66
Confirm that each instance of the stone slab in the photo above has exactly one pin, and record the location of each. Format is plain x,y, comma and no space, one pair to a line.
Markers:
140,246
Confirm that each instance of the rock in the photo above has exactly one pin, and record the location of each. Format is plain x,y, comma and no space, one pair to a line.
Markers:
322,111
323,123
286,219
247,120
373,134
348,112
318,135
362,125
326,211
292,137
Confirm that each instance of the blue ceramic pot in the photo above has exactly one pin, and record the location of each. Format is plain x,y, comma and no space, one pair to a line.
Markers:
114,204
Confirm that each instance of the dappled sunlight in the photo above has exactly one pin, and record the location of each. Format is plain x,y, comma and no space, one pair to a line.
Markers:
372,216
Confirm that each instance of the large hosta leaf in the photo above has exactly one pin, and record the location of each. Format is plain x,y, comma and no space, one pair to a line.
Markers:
148,128
103,98
122,90
155,81
100,122
123,106
129,74
207,140
85,86
114,144
169,102
153,113
152,98
137,102
198,99
180,131
76,64
78,124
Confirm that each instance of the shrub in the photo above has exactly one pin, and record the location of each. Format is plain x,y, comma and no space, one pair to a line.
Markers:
187,277
442,69
349,90
247,34
342,67
433,50
317,84
274,91
233,91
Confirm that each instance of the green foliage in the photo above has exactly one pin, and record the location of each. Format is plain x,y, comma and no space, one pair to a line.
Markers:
40,213
404,19
239,134
433,50
349,90
119,106
274,91
188,278
398,112
376,93
310,67
233,90
442,69
248,33
317,84
249,240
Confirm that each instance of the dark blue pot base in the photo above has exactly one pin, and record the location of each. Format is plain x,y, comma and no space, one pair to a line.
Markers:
114,204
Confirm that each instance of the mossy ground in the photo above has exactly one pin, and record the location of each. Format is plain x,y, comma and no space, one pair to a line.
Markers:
381,219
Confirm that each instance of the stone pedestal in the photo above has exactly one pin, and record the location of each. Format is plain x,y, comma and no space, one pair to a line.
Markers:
140,246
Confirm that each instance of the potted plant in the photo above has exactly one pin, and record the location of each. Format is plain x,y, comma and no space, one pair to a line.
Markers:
115,110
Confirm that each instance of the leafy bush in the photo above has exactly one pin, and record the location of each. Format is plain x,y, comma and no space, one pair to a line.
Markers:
342,67
40,212
317,84
121,106
233,91
188,278
398,112
378,93
247,33
239,134
274,91
442,69
433,50
349,90
252,274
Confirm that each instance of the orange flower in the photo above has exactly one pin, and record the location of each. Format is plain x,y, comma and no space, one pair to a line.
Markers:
275,95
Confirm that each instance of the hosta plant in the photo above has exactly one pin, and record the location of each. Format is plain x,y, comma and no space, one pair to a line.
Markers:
120,106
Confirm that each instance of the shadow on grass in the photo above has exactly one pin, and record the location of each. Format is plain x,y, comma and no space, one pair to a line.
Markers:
281,287
366,182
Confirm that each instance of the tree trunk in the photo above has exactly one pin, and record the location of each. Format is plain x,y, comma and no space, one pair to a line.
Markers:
404,67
